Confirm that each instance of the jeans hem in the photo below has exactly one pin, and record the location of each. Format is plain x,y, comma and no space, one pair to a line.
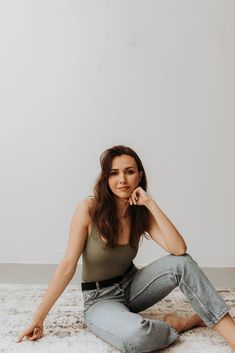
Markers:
219,317
175,332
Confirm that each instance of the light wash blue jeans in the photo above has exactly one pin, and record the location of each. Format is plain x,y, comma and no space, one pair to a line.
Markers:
111,313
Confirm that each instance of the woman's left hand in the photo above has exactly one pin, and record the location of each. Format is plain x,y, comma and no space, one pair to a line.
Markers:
139,197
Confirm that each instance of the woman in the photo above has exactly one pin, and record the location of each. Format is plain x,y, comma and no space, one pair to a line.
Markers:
106,230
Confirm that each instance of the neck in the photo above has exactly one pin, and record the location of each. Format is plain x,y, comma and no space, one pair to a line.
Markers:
122,209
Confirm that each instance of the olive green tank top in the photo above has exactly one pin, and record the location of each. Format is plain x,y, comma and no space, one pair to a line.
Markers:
101,262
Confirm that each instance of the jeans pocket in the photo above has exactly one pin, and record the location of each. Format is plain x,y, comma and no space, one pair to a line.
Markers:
89,295
120,289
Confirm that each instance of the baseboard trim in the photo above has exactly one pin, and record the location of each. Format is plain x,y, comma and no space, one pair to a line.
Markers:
42,273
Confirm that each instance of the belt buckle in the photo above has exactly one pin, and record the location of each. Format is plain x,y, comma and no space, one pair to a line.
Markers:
97,285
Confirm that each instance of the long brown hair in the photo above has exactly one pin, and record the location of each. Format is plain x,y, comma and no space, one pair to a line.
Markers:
104,212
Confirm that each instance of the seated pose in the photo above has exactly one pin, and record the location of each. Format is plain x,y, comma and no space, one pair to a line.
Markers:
106,230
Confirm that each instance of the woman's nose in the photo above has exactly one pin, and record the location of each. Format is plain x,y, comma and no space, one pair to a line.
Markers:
122,178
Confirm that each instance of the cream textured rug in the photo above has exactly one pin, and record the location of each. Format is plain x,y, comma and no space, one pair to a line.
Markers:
65,332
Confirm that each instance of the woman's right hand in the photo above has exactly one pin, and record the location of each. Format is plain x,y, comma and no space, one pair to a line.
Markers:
33,332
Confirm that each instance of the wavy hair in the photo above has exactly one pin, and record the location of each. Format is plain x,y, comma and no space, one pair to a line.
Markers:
104,212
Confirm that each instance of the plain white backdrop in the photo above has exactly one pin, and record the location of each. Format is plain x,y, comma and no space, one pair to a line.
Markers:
77,77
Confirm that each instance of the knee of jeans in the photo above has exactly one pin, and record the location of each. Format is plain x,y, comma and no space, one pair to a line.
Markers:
147,337
181,261
184,261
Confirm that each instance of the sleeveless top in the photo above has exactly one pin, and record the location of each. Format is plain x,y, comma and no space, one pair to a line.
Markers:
101,262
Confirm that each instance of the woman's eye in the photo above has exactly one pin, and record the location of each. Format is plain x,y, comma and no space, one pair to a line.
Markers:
128,172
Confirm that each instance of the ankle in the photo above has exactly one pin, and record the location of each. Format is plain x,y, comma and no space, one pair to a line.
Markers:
178,323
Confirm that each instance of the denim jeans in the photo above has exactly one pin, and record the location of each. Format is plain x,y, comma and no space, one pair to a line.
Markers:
111,313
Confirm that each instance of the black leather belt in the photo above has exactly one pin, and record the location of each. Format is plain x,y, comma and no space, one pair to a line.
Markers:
105,283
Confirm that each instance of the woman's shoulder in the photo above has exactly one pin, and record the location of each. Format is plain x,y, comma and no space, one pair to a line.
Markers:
87,203
84,211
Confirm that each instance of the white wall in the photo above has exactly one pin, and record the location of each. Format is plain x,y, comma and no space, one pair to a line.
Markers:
77,77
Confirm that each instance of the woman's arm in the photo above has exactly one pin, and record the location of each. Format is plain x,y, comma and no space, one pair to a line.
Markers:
161,230
65,270
164,232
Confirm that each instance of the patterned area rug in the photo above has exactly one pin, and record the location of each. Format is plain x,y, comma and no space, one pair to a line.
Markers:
65,332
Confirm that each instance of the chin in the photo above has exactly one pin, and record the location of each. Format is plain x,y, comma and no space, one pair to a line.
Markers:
121,197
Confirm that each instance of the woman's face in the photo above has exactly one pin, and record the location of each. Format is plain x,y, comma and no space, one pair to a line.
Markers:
124,176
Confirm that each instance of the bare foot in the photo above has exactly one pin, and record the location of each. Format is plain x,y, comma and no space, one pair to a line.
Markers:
175,321
182,324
